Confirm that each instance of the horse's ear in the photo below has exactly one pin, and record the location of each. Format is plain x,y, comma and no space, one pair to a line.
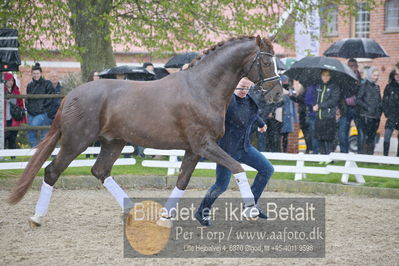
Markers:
259,41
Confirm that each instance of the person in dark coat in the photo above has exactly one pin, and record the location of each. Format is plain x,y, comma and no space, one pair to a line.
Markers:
56,101
347,108
290,116
150,68
272,114
303,118
390,107
310,101
368,102
10,87
38,108
326,98
270,141
242,112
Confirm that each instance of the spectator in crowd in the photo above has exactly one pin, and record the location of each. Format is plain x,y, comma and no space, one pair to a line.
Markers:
299,98
241,113
94,75
368,103
347,108
390,107
310,101
271,140
120,76
185,66
326,99
53,77
38,108
289,112
11,88
150,68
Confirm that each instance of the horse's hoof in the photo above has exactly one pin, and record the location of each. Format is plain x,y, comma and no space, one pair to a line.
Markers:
165,222
250,212
35,221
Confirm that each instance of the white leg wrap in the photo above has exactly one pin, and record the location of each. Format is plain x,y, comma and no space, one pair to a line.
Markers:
170,205
44,200
245,189
118,193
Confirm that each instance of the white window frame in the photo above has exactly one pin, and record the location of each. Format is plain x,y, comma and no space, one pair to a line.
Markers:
331,20
391,13
362,21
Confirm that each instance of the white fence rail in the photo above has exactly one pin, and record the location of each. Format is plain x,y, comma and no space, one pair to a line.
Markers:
75,163
299,169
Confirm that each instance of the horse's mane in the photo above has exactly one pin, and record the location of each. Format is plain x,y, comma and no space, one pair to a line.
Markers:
211,49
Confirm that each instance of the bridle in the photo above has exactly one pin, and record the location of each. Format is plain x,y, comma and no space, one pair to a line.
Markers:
261,79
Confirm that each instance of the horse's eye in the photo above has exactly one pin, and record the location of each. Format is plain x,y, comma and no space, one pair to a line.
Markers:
266,62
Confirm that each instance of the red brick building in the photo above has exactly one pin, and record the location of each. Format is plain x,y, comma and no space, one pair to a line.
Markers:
380,24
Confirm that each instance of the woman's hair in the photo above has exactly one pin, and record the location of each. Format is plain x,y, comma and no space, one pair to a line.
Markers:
146,64
37,67
325,71
369,73
392,76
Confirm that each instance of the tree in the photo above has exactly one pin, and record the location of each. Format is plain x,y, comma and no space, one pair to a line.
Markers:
87,29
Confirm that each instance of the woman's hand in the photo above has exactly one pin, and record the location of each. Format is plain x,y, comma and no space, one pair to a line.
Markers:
262,129
316,108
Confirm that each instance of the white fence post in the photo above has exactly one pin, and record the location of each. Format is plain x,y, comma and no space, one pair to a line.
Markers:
345,177
300,164
172,170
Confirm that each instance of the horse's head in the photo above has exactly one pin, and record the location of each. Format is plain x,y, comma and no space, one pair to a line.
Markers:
262,70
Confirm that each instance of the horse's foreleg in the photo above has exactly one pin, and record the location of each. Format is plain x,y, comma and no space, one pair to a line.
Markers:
190,160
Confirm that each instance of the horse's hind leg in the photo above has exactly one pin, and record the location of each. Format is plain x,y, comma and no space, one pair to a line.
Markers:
110,151
68,152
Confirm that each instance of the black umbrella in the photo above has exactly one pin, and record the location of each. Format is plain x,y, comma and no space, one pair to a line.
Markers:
280,64
160,72
356,48
307,71
9,55
131,72
180,60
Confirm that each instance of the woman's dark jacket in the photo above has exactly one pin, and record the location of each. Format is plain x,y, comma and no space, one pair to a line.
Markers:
327,97
55,102
238,124
390,101
39,106
368,100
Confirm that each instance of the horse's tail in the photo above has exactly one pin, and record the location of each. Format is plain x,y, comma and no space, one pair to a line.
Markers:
43,152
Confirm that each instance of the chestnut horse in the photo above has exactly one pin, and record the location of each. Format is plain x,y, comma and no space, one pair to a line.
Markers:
185,110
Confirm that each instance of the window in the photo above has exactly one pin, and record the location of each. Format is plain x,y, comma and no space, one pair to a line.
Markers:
392,15
362,21
331,20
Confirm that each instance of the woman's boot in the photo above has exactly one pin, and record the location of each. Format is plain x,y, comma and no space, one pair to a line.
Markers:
386,148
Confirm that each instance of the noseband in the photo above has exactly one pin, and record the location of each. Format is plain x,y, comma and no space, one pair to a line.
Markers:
261,79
